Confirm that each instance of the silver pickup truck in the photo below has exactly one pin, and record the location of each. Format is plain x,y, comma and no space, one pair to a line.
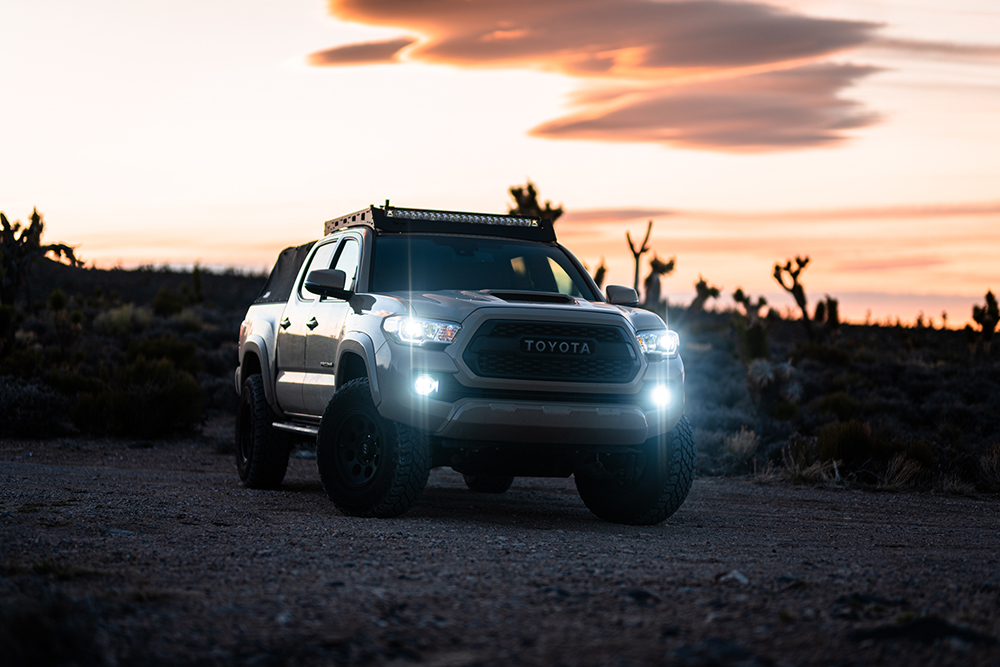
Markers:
407,339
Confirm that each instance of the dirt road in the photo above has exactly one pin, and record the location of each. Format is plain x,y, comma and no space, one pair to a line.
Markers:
119,554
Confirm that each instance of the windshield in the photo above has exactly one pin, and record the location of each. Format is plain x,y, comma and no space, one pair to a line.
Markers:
430,263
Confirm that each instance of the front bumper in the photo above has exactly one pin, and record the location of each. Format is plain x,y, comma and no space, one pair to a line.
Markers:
555,423
470,408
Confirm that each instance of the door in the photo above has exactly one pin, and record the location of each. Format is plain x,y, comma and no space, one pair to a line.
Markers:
323,342
292,332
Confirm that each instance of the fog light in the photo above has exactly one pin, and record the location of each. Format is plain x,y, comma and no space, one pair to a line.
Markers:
661,395
425,384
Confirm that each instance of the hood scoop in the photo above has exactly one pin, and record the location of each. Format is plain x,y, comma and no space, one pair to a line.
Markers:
531,297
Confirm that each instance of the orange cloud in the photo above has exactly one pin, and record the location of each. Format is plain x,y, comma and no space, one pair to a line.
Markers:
784,109
940,49
711,74
365,53
607,37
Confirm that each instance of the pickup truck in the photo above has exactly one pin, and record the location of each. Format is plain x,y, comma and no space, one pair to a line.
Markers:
407,339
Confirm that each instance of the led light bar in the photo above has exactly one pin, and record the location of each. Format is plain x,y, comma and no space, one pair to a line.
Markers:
393,220
473,218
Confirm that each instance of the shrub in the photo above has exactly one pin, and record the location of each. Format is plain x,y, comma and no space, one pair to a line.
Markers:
167,302
123,321
30,409
57,300
869,453
741,445
23,363
989,469
180,352
144,398
821,352
839,404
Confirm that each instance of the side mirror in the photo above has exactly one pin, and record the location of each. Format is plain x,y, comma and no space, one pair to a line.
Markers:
622,296
328,282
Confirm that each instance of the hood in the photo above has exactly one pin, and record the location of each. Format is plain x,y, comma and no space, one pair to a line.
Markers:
457,305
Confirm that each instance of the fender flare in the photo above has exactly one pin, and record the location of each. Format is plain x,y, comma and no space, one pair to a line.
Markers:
361,344
255,344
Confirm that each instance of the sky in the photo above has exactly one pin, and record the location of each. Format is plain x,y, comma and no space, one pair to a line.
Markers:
861,133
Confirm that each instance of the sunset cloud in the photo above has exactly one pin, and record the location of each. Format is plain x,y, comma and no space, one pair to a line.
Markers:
709,74
793,108
940,49
365,53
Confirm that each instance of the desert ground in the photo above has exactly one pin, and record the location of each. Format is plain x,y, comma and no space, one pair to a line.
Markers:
132,552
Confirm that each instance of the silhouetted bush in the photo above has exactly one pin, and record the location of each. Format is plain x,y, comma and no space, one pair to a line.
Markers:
144,398
821,352
30,409
123,321
22,362
167,302
866,451
180,352
839,404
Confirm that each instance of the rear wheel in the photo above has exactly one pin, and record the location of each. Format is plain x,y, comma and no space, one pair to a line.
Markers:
488,483
647,487
261,453
370,466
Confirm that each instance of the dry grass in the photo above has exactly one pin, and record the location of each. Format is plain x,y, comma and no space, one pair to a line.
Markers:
799,468
741,445
989,469
902,473
954,485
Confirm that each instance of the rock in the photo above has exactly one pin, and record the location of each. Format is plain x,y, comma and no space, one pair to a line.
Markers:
734,575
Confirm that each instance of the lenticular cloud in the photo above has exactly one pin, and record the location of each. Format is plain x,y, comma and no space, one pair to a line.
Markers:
708,74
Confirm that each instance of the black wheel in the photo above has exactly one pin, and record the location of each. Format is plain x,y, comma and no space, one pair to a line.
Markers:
488,483
261,453
370,466
647,487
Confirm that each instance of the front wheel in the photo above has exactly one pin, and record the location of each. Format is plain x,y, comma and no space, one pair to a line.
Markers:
261,453
370,466
647,487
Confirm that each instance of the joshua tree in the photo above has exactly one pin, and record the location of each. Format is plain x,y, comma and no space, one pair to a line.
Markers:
820,312
601,273
18,251
832,315
987,317
828,312
638,252
658,268
751,308
796,289
751,332
704,292
526,203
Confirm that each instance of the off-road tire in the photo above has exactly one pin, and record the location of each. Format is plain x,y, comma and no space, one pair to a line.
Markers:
261,452
370,466
488,483
658,490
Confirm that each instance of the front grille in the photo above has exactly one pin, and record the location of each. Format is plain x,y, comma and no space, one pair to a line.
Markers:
498,351
602,334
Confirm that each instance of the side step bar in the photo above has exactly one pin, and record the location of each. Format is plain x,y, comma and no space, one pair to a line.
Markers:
300,429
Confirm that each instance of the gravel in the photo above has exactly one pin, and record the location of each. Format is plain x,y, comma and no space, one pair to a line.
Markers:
128,552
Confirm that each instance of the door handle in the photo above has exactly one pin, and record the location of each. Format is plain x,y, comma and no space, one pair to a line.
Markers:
285,323
312,323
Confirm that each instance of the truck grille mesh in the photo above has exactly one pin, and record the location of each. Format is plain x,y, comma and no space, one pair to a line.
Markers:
495,352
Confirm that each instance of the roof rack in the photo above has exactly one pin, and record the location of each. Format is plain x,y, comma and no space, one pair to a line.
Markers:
392,219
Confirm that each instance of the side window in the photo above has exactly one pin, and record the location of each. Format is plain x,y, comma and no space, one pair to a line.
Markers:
321,259
348,260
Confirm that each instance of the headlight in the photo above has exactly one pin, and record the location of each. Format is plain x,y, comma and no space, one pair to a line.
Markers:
413,331
664,341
